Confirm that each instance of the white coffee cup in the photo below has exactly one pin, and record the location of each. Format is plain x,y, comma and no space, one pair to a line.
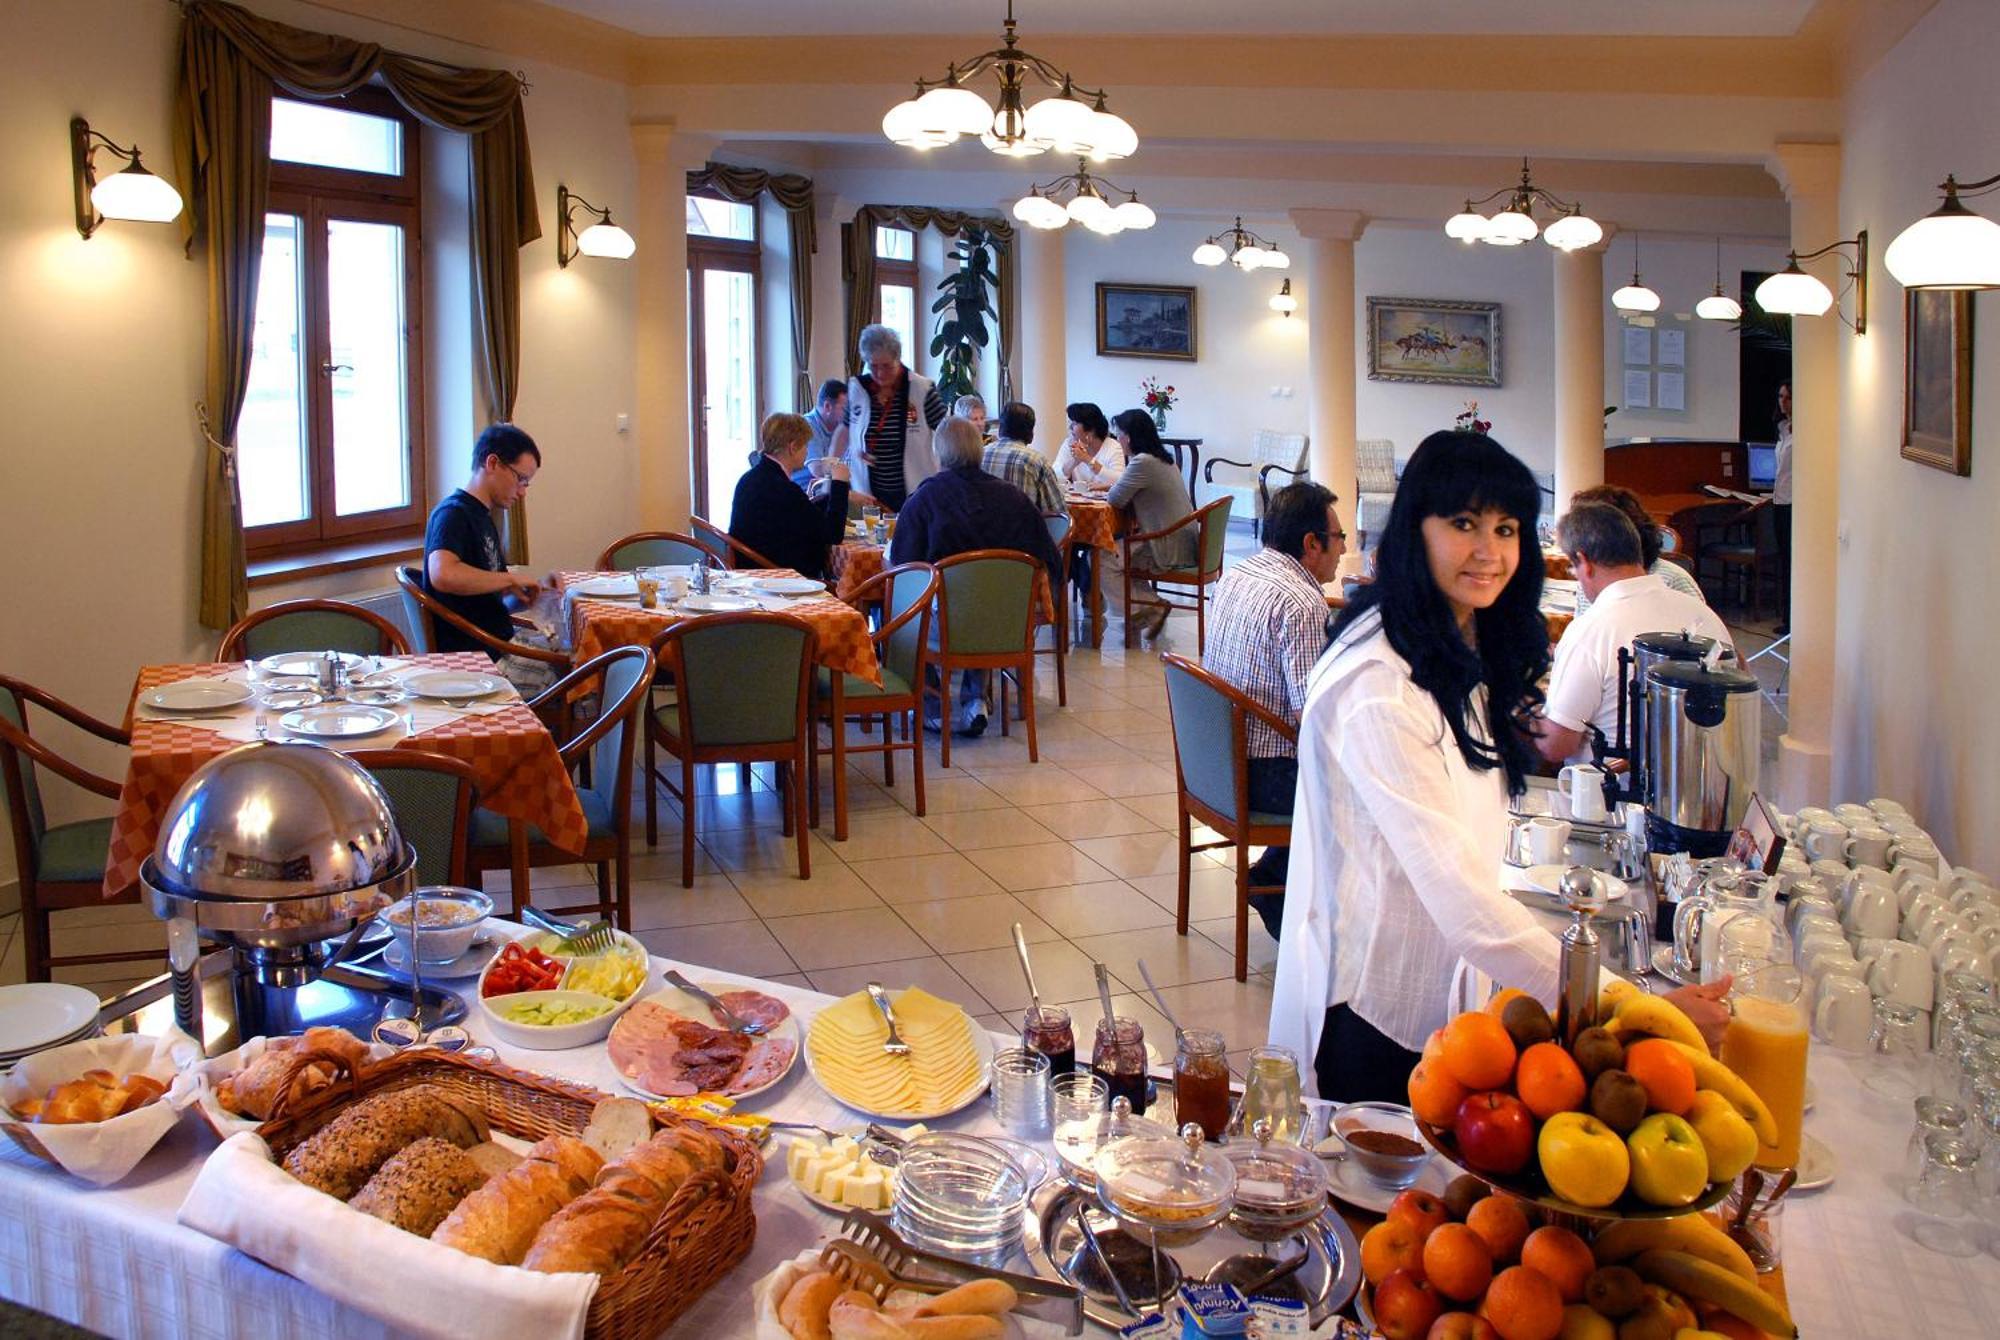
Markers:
1825,840
1868,948
1924,908
1872,913
1853,812
1938,927
1858,877
1884,807
1985,932
1808,815
1956,951
1868,845
1790,871
1903,974
1843,1013
1965,875
1910,883
1830,870
1918,855
1822,957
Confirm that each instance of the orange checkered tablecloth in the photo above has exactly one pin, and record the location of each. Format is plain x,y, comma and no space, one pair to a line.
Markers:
513,757
1094,522
853,564
596,626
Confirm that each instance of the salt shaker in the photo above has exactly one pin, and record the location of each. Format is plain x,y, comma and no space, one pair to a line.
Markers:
1582,953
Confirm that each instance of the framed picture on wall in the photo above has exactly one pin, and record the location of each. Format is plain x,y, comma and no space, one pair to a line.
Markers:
1145,321
1434,340
1937,379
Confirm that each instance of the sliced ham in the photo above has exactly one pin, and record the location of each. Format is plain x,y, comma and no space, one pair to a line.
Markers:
755,1008
767,1060
672,1055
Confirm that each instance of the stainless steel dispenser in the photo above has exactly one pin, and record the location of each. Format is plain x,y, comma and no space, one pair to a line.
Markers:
1703,740
1649,650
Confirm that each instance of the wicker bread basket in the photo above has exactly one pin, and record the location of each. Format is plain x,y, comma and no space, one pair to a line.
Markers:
705,1230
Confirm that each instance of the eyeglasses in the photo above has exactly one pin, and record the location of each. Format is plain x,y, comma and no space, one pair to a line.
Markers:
519,478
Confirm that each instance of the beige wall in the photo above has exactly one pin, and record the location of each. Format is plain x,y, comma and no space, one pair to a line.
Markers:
1918,640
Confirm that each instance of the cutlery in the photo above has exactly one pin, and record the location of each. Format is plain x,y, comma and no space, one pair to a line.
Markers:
1027,970
881,1241
1103,1262
1160,1000
851,1264
805,1126
734,1022
1103,990
894,1046
594,938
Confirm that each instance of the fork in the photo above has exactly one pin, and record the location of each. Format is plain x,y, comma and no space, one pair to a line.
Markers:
731,1020
594,938
894,1046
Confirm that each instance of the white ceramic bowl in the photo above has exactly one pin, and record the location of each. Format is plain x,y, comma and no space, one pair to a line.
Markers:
440,944
540,1037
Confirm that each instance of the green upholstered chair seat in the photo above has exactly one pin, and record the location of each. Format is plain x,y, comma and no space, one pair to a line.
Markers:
1259,819
490,829
75,853
854,686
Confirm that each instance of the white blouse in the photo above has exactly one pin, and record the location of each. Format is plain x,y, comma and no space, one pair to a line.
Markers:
1100,471
1395,868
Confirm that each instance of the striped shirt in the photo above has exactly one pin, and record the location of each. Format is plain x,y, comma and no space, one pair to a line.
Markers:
1027,470
888,429
1266,628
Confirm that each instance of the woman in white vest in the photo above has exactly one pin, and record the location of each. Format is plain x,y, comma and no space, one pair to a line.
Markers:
892,411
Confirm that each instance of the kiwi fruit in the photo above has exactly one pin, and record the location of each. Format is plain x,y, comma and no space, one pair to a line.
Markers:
1596,1051
1614,1291
1618,1100
1527,1022
1464,1192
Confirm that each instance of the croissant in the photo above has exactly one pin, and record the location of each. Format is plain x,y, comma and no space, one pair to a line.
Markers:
499,1221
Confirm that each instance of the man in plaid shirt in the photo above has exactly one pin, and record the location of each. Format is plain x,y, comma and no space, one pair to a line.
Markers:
1267,629
1012,457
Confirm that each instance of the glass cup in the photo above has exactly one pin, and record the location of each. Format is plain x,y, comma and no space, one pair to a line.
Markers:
1899,1042
1271,1092
1944,1192
1934,1116
1021,1091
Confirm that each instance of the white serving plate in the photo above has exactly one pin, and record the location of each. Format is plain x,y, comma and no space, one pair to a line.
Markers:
38,1015
713,604
452,684
693,1007
290,700
789,586
982,1049
623,587
1548,879
338,721
196,695
374,695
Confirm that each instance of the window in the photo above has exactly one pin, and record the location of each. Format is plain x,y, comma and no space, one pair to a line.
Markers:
329,444
724,384
712,216
896,285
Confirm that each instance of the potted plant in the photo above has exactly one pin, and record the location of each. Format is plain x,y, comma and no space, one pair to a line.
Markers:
963,305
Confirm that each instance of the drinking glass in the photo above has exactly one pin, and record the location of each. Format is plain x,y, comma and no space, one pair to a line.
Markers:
1077,1117
1943,1194
1935,1116
1271,1093
1021,1090
1899,1042
1766,1041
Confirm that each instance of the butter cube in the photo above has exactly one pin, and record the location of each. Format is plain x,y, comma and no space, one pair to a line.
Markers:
799,1153
820,1170
866,1189
845,1147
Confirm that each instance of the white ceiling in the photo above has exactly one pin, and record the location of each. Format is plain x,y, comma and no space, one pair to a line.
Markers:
1626,18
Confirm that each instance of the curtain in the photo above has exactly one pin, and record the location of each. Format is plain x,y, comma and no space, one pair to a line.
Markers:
859,270
231,60
795,195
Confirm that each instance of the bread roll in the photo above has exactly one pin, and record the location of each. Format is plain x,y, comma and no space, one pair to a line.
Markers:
662,1162
952,1328
253,1091
598,1232
418,1187
498,1222
803,1311
855,1316
979,1297
346,1152
617,1125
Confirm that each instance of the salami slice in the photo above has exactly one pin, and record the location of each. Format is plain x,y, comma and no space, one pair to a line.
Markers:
768,1059
755,1008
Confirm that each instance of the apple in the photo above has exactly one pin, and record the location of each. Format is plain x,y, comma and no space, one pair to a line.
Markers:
1405,1306
1659,1315
1729,1140
1392,1245
1669,1165
1461,1326
1495,1133
1421,1210
1583,1159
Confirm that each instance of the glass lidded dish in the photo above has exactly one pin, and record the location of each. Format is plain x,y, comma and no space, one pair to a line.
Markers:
1176,1188
1077,1141
1280,1188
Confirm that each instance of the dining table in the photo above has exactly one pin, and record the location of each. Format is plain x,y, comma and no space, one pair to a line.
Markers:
1094,524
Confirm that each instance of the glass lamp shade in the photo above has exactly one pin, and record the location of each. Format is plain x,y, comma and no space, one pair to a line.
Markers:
1017,148
1953,248
605,239
1573,231
1090,210
905,124
1636,297
1466,226
1064,124
1793,292
1511,227
1208,253
1248,257
138,195
1038,211
1283,301
1114,137
1132,214
1105,225
1274,259
955,109
1719,306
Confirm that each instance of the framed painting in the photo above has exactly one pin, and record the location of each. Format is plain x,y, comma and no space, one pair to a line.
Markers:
1145,321
1937,379
1434,340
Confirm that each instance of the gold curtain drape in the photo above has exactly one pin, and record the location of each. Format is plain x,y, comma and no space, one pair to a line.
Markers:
858,269
795,195
231,63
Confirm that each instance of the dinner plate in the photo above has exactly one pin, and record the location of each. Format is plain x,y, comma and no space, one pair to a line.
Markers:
1346,1183
982,1051
623,587
789,586
692,1007
1548,879
35,1016
396,960
452,684
338,721
290,700
308,663
717,604
1817,1164
196,695
375,695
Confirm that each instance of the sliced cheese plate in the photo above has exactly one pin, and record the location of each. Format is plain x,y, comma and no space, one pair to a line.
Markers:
948,1068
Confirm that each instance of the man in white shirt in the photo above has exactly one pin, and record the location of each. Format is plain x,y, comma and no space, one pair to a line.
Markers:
1626,601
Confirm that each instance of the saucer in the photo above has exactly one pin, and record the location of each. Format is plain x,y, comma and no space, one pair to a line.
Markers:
1346,1183
1817,1164
396,960
1663,964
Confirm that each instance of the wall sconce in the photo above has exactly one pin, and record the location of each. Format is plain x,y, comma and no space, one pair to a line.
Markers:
603,238
1283,301
1951,247
130,193
1793,292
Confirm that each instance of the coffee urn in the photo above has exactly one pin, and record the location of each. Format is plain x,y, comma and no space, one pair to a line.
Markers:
1649,650
1703,740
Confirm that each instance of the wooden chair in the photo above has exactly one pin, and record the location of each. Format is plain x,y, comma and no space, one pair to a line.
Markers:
986,621
431,795
903,648
735,553
1059,614
425,613
1374,487
621,679
1212,769
61,866
744,681
1748,541
311,625
1212,528
1269,451
658,549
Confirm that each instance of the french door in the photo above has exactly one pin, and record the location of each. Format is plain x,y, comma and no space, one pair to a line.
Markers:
723,376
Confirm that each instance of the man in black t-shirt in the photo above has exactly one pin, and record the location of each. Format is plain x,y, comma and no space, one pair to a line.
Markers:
465,567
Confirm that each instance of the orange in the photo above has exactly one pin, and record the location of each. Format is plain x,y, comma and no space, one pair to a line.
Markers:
1664,1072
1457,1263
1478,1052
1549,1082
1502,1224
1390,1246
1434,1045
1498,1005
1434,1094
1523,1305
1562,1258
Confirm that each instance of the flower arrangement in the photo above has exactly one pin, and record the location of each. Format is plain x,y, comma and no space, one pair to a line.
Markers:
1469,421
1157,397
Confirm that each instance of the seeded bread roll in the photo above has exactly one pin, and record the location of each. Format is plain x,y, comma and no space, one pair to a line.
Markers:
346,1152
417,1188
498,1222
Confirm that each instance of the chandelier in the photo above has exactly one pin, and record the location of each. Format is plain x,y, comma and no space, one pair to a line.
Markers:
1072,121
1088,204
1514,223
1243,249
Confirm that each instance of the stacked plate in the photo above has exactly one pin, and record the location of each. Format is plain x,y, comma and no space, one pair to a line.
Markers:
39,1015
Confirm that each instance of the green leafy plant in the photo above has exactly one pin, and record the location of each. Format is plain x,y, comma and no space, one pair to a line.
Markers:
964,303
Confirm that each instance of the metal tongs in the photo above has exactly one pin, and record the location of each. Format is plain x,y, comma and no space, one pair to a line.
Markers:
594,938
1052,1301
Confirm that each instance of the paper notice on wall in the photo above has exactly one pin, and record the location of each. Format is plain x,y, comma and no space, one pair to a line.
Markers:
1638,347
1638,390
1671,390
1673,348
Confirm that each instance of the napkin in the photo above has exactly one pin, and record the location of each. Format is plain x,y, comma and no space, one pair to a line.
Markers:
411,1284
103,1152
195,1086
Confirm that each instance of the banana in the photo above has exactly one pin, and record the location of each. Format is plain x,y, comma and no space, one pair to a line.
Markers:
1710,1073
1616,991
1639,1013
1693,1234
1695,1278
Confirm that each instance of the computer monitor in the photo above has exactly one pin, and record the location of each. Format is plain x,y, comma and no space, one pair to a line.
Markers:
1763,466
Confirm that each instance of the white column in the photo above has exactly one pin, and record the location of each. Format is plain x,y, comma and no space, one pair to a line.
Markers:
660,262
1579,371
1329,236
828,349
1810,174
1041,343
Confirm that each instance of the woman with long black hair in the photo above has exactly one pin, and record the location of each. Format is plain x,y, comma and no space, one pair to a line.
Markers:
1409,746
1152,490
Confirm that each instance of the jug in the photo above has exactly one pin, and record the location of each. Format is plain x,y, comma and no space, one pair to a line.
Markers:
1582,784
1698,921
